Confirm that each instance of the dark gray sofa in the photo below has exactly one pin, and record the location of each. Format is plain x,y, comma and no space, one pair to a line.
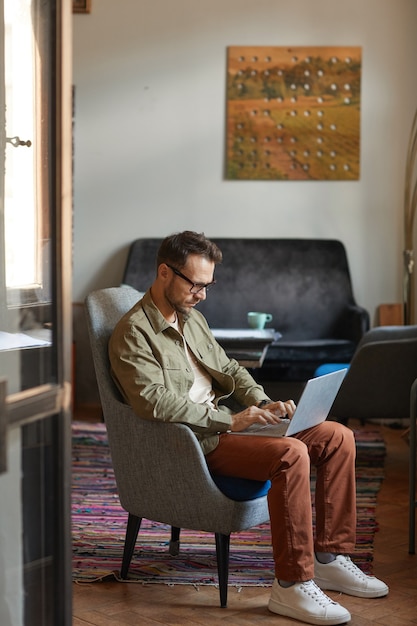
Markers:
304,283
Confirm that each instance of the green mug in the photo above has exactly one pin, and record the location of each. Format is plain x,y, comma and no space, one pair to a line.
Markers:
258,320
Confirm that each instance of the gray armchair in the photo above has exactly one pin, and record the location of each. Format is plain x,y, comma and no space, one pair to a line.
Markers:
160,470
380,384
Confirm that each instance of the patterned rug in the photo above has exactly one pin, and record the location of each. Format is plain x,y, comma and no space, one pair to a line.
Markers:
99,524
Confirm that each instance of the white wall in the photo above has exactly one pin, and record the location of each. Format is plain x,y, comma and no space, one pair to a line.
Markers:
150,132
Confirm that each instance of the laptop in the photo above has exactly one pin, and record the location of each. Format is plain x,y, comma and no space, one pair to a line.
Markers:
312,409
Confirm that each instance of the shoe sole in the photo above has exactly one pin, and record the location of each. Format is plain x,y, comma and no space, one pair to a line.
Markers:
357,593
280,609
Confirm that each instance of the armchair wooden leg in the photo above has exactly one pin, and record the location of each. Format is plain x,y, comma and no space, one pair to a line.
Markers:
132,529
222,551
174,544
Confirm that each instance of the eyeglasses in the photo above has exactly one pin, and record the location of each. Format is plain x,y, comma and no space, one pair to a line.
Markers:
195,287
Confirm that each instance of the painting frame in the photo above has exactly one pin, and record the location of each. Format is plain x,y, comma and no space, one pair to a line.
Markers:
81,6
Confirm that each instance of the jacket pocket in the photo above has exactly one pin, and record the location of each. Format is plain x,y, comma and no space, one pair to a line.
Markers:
207,353
177,374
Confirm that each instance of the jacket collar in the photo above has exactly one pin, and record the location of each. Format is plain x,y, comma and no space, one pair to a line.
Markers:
154,315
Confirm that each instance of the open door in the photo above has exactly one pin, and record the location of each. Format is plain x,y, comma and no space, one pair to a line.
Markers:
35,312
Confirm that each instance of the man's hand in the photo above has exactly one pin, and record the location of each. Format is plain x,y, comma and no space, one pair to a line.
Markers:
272,413
282,409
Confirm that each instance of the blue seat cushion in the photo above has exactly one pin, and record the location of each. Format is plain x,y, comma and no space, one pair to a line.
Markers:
241,489
328,368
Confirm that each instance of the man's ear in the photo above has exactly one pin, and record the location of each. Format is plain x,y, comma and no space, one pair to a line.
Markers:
163,271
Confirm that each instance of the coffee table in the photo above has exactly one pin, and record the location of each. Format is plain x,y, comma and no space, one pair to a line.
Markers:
248,346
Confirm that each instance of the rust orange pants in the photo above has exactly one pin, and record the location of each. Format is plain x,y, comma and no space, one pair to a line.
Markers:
286,462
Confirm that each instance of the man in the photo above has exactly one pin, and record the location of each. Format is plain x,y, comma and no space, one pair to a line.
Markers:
169,367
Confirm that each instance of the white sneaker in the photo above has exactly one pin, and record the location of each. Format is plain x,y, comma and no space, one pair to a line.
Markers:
307,603
343,575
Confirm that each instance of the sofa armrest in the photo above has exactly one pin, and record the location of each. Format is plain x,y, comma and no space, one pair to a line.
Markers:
354,323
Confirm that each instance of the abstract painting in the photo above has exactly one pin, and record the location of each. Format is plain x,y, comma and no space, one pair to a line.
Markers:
293,113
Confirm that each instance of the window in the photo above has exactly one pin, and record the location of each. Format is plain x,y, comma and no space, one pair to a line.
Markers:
26,230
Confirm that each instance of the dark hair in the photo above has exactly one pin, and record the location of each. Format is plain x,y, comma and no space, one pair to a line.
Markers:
176,248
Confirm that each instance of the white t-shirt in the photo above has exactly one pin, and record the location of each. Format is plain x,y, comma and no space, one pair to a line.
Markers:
202,388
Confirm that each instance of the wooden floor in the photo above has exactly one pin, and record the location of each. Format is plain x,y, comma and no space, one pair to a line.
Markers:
118,604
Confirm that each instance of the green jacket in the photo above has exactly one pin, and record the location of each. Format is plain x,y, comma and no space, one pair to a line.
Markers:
151,370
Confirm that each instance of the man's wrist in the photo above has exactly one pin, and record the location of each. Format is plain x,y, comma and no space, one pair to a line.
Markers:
263,403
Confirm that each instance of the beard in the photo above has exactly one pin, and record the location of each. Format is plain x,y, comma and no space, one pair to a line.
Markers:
178,308
178,305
